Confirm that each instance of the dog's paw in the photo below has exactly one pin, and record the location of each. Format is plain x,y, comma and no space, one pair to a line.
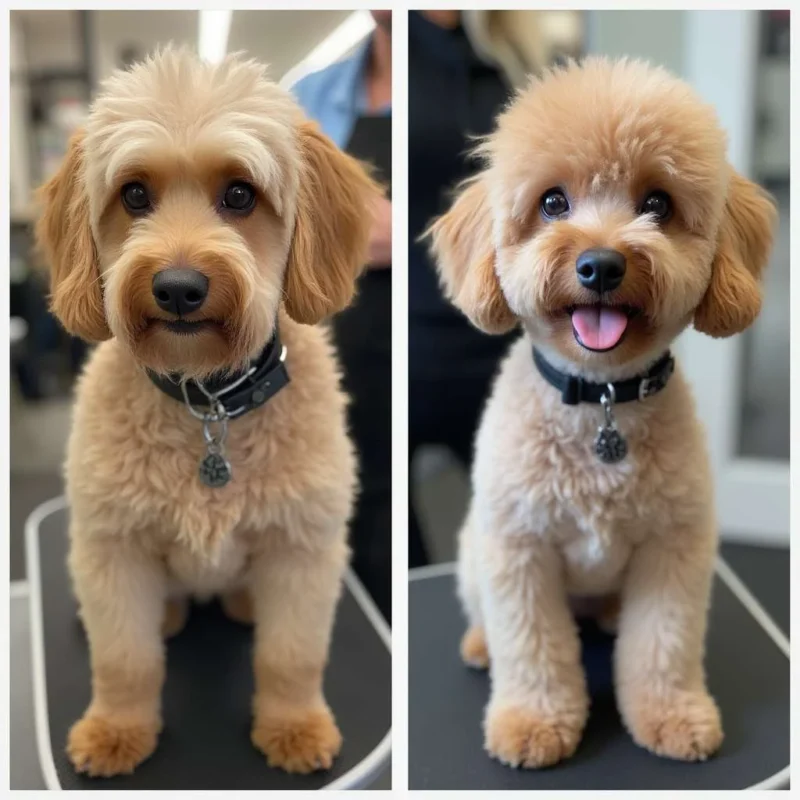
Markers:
101,748
175,616
238,606
683,725
302,743
522,738
474,652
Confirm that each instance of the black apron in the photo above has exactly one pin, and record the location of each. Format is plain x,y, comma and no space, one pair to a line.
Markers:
363,334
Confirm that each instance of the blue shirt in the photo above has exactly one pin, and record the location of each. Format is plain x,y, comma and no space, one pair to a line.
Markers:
337,96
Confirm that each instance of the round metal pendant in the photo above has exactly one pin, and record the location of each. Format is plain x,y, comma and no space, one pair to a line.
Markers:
610,446
215,471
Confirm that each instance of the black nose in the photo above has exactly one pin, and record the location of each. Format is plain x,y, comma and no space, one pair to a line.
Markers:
601,269
180,291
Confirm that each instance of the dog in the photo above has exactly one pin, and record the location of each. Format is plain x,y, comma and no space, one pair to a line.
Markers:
198,229
604,220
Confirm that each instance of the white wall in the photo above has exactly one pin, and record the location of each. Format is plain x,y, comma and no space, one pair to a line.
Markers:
655,35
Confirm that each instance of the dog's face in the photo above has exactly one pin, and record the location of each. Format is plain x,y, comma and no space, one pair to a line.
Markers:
194,203
606,220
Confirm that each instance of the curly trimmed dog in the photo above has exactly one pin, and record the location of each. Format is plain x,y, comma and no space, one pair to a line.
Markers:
199,225
605,220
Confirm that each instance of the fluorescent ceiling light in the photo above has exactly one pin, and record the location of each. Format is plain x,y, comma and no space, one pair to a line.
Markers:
213,38
335,46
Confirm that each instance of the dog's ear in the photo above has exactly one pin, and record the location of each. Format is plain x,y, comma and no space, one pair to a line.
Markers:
65,237
733,298
331,234
461,242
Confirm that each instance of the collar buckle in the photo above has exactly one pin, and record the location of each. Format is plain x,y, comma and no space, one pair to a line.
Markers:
647,386
653,384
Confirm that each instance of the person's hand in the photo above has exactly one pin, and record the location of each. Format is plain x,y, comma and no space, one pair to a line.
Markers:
380,241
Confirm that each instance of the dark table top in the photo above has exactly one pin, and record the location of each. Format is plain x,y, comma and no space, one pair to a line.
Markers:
748,674
205,743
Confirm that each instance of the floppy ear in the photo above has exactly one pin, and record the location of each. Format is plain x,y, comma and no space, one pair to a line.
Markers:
733,298
65,237
332,227
461,242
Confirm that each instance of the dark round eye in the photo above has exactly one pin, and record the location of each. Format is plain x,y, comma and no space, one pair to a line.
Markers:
135,198
554,203
239,196
658,204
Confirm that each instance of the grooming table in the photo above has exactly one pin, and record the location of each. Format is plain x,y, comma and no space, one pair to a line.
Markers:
748,673
205,743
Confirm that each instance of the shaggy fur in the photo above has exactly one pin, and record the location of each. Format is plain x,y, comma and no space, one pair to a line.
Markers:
146,534
549,523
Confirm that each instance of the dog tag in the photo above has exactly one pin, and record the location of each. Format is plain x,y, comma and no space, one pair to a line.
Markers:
610,445
215,471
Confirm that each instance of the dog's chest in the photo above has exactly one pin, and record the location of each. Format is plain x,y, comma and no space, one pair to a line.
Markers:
594,561
596,513
205,574
168,496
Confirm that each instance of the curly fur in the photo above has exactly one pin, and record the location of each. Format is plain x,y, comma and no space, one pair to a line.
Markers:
145,533
550,527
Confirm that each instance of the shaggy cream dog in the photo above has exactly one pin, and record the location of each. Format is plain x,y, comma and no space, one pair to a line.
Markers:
197,220
605,221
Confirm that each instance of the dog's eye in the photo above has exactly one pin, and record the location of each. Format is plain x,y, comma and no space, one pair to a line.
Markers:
239,196
659,205
554,203
135,198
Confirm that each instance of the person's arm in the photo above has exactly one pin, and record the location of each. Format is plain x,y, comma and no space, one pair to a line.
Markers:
306,92
303,94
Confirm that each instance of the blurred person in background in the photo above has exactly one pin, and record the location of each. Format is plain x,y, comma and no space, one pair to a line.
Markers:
463,67
351,101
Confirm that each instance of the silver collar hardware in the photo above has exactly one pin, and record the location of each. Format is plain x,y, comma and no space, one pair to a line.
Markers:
610,445
214,469
645,389
654,384
215,406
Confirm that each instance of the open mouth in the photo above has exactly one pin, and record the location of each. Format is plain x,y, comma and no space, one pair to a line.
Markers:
600,328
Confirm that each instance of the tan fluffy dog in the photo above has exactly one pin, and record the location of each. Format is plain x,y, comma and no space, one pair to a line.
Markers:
620,156
231,181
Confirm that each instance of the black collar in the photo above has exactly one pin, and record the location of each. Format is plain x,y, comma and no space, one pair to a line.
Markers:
576,390
237,393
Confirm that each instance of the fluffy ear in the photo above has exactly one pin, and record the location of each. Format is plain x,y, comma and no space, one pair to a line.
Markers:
331,235
65,237
733,298
461,242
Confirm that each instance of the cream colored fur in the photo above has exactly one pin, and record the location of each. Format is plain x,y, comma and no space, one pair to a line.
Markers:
549,524
145,533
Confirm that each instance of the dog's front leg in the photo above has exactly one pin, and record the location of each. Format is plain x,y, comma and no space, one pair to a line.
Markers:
539,704
660,679
294,593
122,601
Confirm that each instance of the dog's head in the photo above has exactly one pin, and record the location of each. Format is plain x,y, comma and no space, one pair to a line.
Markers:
606,220
196,200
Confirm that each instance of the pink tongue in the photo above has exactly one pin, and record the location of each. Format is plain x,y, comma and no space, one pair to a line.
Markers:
599,327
